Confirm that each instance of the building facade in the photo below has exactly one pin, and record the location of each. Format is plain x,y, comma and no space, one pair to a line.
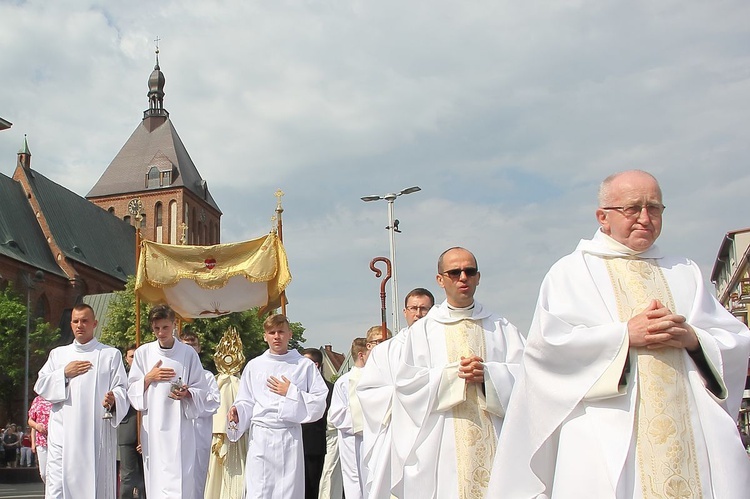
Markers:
155,169
731,277
57,244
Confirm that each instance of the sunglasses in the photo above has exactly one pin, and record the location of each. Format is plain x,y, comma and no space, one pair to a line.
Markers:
456,273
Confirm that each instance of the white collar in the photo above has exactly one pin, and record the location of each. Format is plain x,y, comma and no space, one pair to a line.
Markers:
603,245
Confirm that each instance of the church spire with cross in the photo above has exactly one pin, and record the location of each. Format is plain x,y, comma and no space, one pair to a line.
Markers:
156,91
154,167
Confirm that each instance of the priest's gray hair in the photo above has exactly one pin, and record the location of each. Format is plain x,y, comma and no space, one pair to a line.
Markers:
605,188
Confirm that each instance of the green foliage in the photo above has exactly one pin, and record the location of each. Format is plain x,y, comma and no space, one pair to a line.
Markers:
42,337
250,327
120,328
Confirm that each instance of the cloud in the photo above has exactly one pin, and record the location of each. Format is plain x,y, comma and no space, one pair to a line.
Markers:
506,114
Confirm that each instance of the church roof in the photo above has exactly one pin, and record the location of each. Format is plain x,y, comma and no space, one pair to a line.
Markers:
21,238
84,232
100,303
160,148
153,148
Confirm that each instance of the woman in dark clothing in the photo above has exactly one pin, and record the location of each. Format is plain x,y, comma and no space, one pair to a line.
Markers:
11,442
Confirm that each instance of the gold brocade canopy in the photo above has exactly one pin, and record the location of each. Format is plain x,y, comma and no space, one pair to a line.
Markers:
211,281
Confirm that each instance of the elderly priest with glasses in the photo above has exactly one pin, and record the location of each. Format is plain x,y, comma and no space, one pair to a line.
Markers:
632,374
453,382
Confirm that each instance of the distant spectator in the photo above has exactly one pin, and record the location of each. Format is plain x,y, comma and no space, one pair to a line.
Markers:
26,454
11,443
38,421
745,439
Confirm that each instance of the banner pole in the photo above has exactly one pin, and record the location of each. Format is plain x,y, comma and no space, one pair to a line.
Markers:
280,231
138,219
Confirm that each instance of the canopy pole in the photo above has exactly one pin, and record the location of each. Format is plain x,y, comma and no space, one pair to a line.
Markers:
138,218
137,297
279,230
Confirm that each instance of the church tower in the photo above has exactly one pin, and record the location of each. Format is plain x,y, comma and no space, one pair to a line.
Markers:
154,167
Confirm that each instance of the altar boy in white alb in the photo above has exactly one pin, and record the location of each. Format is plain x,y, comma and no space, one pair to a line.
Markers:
81,380
279,391
204,422
346,415
167,383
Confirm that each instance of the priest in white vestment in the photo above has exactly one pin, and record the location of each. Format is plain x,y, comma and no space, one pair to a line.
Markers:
346,415
632,374
279,391
204,422
167,384
376,389
455,377
82,381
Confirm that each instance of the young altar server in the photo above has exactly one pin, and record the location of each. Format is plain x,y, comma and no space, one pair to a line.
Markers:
204,422
168,385
346,415
279,391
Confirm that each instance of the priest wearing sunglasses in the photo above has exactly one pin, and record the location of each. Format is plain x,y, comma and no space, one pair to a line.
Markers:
453,384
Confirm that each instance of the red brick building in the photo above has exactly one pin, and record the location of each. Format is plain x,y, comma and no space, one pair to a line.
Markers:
78,248
154,167
60,247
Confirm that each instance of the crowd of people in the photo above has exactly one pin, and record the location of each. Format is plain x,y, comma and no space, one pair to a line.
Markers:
628,385
27,448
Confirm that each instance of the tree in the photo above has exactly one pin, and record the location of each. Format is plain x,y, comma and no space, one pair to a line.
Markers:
119,331
42,337
120,328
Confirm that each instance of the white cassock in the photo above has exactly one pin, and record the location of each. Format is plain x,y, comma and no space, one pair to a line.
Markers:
275,460
331,486
568,431
81,446
226,469
204,432
375,390
444,429
167,427
346,415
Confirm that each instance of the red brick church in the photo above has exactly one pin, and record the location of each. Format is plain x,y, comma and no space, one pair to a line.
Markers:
60,246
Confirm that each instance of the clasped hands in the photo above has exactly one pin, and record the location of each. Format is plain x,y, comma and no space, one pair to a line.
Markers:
658,327
471,369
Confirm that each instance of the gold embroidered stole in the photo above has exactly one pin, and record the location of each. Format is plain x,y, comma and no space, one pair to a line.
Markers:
355,408
475,436
664,434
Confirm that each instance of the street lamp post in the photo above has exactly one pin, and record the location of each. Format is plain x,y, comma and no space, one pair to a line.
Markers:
392,228
29,281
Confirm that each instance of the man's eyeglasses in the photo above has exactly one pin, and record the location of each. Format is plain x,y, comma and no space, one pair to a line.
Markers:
634,210
415,309
456,273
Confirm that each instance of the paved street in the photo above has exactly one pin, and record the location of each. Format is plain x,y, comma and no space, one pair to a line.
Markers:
22,491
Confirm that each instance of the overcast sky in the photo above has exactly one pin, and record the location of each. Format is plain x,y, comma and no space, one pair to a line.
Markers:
507,114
